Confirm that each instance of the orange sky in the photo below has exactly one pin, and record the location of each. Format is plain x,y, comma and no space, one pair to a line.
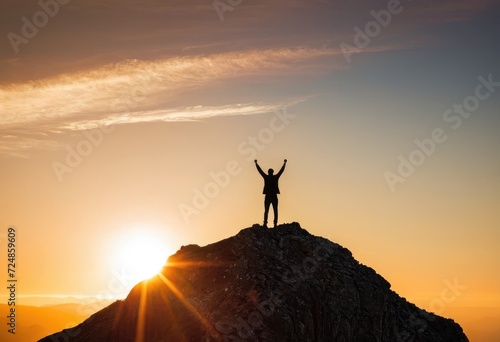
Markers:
181,97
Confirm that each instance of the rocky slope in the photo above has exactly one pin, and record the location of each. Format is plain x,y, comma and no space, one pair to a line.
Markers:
280,284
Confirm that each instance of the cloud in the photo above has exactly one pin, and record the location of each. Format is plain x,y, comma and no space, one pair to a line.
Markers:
154,29
134,86
183,114
146,91
16,146
263,40
16,143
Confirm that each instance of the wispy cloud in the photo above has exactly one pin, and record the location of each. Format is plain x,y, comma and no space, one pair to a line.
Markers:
136,86
155,29
15,142
261,40
183,114
145,91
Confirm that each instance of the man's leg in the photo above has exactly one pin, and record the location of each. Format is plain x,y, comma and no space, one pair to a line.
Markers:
267,203
275,209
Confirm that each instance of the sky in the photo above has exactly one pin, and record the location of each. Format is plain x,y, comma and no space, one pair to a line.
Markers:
129,128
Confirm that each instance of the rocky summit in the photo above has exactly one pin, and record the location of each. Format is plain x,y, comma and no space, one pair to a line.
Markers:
280,284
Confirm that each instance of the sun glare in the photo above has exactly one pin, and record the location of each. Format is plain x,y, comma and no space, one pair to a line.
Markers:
141,256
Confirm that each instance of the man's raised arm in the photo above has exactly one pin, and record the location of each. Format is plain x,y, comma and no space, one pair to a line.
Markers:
259,169
282,168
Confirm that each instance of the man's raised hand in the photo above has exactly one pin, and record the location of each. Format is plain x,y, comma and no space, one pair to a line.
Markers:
285,161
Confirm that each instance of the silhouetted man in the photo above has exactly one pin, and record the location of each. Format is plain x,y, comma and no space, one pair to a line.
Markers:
271,190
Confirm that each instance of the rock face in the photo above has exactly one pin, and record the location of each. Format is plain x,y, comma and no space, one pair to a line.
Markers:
280,284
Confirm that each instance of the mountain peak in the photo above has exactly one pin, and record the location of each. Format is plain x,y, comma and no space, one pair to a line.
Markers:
280,284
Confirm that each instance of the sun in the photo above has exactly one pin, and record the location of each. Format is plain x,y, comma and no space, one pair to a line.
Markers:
140,256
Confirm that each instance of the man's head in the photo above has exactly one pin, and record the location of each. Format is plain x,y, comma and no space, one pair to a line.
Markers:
270,172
